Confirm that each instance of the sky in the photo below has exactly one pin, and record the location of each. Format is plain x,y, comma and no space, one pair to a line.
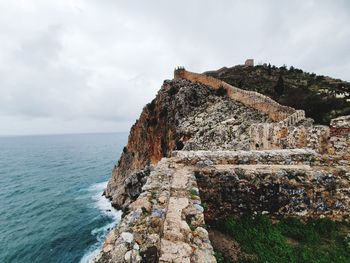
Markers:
84,66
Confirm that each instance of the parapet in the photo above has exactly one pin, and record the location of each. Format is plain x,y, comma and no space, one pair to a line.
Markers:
283,132
260,102
179,72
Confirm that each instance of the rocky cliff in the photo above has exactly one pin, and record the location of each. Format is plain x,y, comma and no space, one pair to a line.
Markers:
183,116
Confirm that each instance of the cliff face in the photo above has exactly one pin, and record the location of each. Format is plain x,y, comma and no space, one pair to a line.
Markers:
183,116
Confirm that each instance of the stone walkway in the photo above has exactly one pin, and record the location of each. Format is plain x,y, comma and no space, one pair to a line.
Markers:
166,222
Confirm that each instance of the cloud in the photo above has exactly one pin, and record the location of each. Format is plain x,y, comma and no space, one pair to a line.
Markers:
87,63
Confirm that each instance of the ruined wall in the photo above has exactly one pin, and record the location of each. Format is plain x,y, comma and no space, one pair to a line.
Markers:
275,111
340,136
283,133
281,183
267,157
279,192
277,136
164,224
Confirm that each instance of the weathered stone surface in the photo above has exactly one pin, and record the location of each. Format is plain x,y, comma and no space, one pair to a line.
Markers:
175,252
341,122
183,115
168,217
283,190
210,157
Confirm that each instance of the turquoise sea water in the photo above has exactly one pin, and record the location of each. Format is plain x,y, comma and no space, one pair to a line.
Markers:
51,208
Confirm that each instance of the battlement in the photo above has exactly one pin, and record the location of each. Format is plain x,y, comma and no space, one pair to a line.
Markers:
273,109
283,132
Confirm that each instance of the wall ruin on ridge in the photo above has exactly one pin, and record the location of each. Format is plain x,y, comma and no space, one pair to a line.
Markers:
274,110
285,132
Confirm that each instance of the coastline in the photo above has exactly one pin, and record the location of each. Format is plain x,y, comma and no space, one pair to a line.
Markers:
105,207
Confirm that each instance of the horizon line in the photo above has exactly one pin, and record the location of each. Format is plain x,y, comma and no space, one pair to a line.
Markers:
58,134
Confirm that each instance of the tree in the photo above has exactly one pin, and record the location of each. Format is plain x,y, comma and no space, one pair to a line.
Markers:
279,88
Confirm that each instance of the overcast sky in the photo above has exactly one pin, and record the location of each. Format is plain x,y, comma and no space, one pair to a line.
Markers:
91,65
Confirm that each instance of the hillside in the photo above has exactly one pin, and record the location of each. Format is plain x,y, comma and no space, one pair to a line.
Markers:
323,98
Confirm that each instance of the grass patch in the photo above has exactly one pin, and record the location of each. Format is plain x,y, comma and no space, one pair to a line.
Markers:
316,241
220,258
193,193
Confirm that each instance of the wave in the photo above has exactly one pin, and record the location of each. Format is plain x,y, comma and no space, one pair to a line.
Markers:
106,209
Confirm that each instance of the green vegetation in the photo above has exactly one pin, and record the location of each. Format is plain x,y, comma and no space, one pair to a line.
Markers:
220,258
193,193
290,240
279,88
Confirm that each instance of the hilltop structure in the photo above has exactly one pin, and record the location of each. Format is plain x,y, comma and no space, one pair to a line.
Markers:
204,149
249,62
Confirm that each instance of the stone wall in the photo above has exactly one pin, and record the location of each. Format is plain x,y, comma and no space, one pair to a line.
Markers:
164,224
340,136
277,136
281,183
303,156
275,111
280,157
285,132
298,191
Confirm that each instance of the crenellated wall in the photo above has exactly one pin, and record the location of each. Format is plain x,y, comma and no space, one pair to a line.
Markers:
273,109
283,133
277,136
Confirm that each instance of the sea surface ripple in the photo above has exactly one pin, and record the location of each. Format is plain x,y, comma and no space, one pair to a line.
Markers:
51,208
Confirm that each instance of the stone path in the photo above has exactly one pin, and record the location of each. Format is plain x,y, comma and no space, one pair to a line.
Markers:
166,222
184,239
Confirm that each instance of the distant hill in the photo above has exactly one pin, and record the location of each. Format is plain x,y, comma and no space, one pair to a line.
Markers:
322,98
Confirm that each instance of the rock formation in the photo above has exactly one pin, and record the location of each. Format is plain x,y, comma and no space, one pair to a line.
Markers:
203,149
183,116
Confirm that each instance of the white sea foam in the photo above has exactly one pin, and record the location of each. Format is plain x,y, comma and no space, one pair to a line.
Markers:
105,207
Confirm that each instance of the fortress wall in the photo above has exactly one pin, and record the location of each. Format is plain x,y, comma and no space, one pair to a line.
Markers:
195,77
276,111
294,118
282,134
288,191
265,157
291,182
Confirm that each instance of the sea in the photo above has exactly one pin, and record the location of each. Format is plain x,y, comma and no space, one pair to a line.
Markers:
51,203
